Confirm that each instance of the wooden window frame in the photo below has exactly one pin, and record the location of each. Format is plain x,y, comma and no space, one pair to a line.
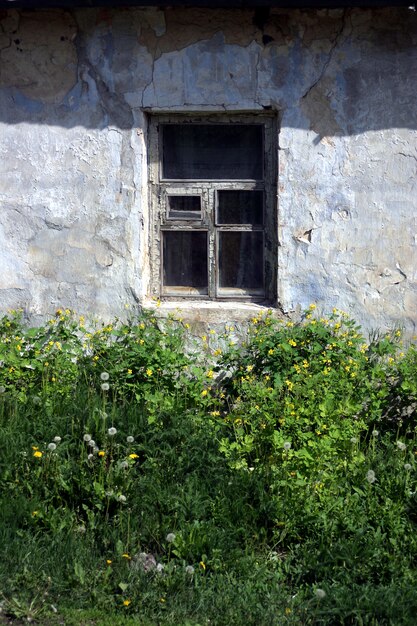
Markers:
161,222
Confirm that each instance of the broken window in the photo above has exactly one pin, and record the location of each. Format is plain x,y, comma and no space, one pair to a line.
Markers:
213,207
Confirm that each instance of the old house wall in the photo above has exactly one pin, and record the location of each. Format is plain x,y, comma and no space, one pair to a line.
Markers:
75,91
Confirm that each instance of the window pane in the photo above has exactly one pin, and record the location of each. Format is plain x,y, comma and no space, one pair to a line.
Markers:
184,207
212,151
241,260
185,259
240,207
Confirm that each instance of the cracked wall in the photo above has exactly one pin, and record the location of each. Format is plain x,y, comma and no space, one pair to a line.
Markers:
75,88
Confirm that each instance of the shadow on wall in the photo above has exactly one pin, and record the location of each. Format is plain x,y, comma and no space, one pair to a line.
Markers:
338,72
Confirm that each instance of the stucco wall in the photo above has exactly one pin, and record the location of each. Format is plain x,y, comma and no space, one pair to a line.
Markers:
74,91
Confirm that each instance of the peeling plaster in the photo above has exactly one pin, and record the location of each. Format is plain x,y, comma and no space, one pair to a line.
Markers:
73,148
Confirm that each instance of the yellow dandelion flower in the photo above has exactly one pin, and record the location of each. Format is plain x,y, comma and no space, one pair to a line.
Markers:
37,454
312,306
35,448
215,413
125,555
133,456
109,561
203,565
149,372
35,513
204,392
126,602
101,453
129,371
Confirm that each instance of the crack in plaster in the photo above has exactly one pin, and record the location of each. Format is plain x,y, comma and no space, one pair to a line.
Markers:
327,62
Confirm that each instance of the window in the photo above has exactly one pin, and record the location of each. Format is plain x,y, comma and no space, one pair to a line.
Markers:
213,207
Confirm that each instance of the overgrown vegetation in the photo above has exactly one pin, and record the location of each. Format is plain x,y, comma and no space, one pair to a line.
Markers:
267,483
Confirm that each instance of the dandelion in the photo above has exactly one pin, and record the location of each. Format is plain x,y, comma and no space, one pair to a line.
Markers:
90,457
375,433
130,439
370,476
189,570
149,372
170,537
121,498
353,440
112,431
407,466
160,568
37,454
204,392
87,438
320,594
127,556
287,445
133,456
104,376
51,446
202,565
105,386
92,443
57,439
401,446
2,389
101,453
126,602
108,562
124,465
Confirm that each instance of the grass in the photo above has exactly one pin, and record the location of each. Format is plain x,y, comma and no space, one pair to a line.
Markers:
263,484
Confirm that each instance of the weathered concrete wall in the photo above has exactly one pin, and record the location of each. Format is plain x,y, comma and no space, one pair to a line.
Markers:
73,174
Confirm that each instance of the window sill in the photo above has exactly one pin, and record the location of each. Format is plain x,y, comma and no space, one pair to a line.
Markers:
208,312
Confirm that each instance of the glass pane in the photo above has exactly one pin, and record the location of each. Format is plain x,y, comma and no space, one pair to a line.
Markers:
240,207
185,259
184,207
241,260
212,151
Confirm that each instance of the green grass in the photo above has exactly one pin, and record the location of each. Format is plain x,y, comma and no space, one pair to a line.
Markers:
263,484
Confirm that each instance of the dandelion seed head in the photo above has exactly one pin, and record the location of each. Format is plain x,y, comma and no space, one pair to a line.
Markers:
92,443
51,446
407,466
287,445
57,439
353,440
375,433
370,476
320,594
105,386
104,376
2,389
112,431
121,498
90,457
401,446
87,437
130,439
124,465
189,570
170,537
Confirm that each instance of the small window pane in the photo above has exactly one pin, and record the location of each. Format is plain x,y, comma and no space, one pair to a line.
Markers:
185,259
212,151
184,207
241,260
240,207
